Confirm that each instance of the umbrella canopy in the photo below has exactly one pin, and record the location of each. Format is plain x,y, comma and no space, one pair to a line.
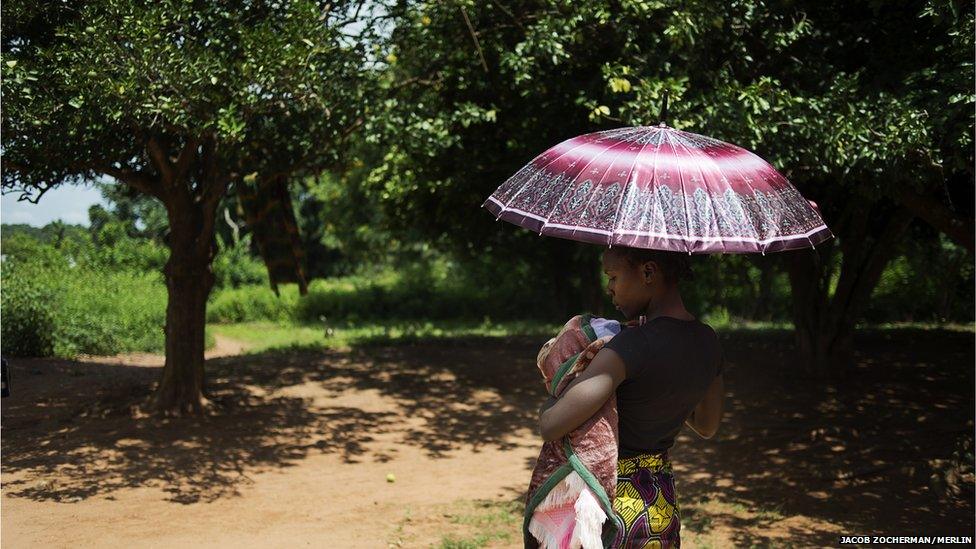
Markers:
662,188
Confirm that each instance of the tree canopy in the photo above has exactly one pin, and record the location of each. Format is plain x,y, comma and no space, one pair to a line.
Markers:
181,100
866,107
103,87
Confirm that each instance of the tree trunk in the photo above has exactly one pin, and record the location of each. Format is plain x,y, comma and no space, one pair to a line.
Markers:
189,279
191,187
767,274
824,321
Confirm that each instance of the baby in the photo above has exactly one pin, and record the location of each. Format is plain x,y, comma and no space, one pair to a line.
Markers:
574,479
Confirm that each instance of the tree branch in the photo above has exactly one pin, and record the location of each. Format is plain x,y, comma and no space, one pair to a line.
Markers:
186,158
880,254
474,37
508,12
937,214
138,180
160,159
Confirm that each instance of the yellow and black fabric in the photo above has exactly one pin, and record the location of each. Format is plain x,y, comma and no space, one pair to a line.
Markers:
646,502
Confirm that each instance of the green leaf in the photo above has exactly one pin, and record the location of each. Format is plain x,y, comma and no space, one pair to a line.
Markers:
620,85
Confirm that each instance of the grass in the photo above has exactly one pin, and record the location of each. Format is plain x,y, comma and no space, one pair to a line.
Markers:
261,336
735,324
470,524
264,336
486,522
925,326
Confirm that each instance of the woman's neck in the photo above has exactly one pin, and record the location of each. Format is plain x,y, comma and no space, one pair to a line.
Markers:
671,305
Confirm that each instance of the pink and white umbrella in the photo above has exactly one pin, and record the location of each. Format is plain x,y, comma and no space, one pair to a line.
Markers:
662,188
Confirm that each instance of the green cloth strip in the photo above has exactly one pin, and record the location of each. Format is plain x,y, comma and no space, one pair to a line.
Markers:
565,366
573,462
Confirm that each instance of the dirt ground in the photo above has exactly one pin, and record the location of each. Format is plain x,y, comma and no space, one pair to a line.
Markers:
300,452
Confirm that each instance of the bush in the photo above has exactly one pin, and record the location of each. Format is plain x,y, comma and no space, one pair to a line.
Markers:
234,265
28,325
254,302
63,311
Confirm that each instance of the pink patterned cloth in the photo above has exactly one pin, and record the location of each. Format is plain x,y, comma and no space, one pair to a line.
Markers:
662,188
570,512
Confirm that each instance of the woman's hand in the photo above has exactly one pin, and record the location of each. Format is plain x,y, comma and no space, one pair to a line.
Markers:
583,397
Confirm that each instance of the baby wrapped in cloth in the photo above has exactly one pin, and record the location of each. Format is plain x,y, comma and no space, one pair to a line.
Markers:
575,477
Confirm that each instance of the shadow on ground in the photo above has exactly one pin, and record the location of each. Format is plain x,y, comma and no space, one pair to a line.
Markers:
77,422
879,453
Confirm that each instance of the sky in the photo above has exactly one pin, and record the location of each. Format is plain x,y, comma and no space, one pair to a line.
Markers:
67,202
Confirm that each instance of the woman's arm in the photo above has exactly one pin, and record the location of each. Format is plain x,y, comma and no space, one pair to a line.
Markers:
583,397
707,416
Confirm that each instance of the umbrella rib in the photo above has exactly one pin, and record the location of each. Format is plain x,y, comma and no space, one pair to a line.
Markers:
653,195
681,180
570,184
525,185
623,194
718,170
734,163
752,189
593,194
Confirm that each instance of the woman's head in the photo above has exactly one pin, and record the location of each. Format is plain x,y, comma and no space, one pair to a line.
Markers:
638,277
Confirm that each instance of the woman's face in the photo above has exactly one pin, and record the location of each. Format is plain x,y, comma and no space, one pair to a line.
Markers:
631,287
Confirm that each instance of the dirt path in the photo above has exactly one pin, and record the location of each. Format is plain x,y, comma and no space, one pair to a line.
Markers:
223,347
299,455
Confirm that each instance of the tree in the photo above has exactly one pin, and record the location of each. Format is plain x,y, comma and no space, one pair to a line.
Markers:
866,108
143,215
179,101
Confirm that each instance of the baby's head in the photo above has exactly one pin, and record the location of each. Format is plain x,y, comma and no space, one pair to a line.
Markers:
639,276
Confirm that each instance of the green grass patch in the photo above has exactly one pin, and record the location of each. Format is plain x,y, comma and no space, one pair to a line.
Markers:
266,336
485,522
261,336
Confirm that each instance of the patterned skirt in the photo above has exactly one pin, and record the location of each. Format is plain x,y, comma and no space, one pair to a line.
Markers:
646,503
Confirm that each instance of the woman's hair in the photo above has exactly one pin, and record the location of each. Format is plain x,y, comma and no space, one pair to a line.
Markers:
676,266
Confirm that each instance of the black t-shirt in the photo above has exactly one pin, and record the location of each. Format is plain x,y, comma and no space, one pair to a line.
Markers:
670,363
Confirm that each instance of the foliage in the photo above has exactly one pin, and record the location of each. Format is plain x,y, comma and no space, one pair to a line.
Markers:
270,85
852,101
144,216
436,289
53,309
235,266
931,280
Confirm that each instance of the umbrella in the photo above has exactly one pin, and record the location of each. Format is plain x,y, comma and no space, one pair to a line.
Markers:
662,188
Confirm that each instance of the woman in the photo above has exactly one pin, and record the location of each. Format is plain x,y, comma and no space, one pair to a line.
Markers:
665,373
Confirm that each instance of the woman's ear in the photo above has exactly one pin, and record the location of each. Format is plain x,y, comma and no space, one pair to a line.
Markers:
648,270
